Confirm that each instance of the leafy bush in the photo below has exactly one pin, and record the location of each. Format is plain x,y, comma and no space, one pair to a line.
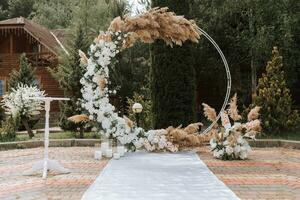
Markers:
275,99
8,130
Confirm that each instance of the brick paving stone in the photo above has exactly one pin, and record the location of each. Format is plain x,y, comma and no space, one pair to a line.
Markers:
269,173
66,186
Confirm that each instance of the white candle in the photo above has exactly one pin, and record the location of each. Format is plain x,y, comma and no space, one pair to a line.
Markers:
116,155
108,153
104,146
98,155
121,150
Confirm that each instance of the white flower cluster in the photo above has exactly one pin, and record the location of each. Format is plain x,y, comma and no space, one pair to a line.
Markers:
240,150
157,140
230,147
95,101
95,92
18,102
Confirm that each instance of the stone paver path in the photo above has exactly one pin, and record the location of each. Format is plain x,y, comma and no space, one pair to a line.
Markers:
270,173
67,186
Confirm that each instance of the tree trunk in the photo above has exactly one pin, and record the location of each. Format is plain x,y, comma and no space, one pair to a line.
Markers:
81,132
253,64
253,80
28,129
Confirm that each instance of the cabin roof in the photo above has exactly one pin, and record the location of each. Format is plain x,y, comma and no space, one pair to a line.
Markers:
46,37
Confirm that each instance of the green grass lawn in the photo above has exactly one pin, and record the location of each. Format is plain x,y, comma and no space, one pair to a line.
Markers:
60,135
295,135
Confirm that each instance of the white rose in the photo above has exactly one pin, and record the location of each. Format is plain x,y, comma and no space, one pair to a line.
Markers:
243,155
229,150
225,142
237,149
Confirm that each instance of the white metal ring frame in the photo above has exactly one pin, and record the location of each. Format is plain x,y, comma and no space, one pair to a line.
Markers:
228,75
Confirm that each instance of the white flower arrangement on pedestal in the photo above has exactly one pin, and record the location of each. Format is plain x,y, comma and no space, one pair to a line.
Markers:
228,141
18,102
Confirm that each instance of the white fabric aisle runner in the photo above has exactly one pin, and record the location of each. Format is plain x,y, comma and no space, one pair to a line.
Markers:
157,176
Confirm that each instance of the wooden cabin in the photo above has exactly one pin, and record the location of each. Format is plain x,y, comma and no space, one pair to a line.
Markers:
20,35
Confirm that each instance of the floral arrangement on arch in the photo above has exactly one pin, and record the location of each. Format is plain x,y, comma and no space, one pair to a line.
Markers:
228,140
155,24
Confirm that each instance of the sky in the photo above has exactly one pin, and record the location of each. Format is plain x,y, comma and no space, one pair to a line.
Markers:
136,6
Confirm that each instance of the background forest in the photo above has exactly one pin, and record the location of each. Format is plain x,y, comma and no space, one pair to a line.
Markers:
246,31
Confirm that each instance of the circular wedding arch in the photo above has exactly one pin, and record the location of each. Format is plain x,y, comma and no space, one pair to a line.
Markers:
157,23
228,76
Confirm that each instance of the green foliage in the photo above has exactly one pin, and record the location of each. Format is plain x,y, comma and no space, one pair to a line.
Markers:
25,74
53,14
130,74
275,99
3,9
8,130
172,77
146,116
2,115
92,15
118,7
68,75
245,31
15,8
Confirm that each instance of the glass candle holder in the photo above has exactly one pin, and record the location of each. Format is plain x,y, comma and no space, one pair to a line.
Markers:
116,156
108,153
104,144
98,155
120,149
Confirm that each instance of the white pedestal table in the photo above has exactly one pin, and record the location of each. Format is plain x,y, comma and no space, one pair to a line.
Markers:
47,164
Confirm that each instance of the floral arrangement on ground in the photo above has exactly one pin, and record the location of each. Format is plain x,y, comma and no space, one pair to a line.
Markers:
228,141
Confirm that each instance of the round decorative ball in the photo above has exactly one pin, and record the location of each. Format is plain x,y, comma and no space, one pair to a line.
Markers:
137,108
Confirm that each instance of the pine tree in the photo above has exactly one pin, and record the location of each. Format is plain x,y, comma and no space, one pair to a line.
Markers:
173,76
275,99
68,75
25,74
